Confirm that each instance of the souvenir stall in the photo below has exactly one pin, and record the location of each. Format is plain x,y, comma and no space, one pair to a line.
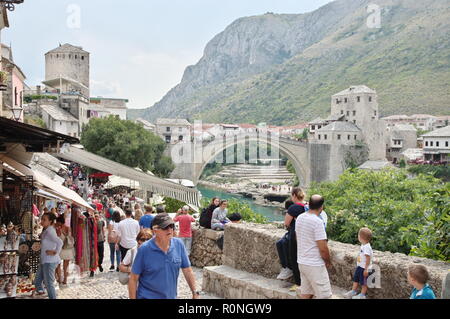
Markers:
18,256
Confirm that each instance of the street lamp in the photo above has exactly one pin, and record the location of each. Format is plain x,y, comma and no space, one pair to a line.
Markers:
10,4
17,112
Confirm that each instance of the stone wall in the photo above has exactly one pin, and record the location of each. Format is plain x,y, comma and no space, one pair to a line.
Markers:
205,251
251,248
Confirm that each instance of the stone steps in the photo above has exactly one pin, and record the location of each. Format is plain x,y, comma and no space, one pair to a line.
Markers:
229,283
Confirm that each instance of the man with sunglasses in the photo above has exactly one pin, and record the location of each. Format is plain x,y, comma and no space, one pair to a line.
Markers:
158,262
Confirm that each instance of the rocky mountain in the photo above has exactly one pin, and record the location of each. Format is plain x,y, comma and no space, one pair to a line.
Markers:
283,68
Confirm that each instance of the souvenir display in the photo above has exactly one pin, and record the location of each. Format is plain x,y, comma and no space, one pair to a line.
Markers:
8,286
9,262
25,285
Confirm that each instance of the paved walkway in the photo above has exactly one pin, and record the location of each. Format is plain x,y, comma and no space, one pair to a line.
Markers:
106,285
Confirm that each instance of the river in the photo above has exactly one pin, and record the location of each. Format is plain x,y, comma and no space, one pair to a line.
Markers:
271,213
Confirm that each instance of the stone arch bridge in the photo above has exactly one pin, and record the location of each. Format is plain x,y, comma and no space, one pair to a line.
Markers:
312,161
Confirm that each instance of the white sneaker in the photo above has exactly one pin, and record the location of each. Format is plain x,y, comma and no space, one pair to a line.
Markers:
360,296
285,273
350,294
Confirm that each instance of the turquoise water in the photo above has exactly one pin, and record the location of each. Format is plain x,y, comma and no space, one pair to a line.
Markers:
271,213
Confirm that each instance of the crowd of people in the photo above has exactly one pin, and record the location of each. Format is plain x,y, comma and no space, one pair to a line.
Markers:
304,254
148,252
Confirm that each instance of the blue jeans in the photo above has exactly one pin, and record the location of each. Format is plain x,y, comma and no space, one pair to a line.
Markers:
112,251
283,251
46,275
187,241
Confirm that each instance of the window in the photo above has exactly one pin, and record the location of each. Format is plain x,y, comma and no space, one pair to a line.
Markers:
70,56
426,143
325,136
345,100
437,144
348,137
180,138
446,144
82,57
168,139
313,127
167,129
339,136
370,99
60,123
76,56
319,136
431,143
348,113
57,55
15,95
358,99
354,121
21,98
337,101
355,137
342,111
354,113
319,126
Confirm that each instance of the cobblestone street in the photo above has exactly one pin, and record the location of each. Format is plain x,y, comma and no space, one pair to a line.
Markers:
106,285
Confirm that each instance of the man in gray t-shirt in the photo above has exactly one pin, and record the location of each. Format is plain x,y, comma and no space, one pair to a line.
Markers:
101,224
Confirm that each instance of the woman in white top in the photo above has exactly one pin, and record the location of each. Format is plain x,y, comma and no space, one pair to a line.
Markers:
112,237
126,264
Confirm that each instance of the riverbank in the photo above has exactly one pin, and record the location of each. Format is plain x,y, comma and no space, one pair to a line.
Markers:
250,191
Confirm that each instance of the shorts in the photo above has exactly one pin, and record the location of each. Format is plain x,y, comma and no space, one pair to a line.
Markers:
315,281
359,276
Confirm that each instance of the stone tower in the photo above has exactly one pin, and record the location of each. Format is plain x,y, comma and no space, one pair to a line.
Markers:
359,105
70,62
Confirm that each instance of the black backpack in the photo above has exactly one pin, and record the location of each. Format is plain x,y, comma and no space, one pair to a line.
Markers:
205,218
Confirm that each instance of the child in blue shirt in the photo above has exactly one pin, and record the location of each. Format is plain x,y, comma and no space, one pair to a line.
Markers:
417,277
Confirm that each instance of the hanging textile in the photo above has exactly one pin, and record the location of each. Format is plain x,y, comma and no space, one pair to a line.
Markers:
85,235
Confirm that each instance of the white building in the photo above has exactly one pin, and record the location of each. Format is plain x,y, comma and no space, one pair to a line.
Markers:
58,120
100,107
436,145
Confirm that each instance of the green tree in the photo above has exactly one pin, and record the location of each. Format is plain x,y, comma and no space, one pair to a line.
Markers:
127,143
406,215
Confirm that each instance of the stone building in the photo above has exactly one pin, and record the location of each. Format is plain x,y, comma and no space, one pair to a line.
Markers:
436,145
67,79
67,66
101,107
354,120
399,138
173,130
339,132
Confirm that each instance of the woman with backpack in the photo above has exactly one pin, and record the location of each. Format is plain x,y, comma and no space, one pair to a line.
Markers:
112,238
206,215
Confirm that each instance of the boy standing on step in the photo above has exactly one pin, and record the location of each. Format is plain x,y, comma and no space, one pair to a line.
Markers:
364,262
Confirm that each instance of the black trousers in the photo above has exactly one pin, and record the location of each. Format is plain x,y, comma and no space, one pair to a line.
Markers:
101,252
123,252
292,257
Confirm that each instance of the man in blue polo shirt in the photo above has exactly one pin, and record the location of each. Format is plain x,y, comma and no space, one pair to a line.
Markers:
158,262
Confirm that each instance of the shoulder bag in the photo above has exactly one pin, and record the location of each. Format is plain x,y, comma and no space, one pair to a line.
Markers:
124,276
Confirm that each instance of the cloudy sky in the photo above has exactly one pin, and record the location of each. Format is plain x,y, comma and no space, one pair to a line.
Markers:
139,48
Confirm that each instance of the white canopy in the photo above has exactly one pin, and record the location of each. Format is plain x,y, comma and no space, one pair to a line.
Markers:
43,182
147,182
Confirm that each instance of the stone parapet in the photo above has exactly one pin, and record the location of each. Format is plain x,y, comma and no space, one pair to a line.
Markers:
205,251
251,248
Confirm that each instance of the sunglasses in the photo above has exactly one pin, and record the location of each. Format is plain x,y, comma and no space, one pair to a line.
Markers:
165,228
